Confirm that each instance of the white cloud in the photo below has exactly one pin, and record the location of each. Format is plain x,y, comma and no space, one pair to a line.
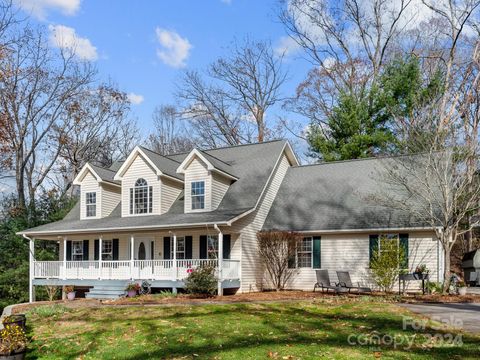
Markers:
286,46
135,99
175,49
40,8
65,38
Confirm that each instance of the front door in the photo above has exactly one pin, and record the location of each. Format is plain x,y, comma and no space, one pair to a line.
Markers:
143,249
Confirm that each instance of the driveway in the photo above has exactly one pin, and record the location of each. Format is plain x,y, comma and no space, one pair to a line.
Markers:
461,315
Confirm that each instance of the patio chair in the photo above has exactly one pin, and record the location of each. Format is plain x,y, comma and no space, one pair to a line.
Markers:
345,281
323,282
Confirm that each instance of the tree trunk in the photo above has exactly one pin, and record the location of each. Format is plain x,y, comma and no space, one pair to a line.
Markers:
20,178
260,125
446,270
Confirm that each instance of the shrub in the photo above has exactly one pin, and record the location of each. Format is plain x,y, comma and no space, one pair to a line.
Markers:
133,287
435,287
48,311
12,340
386,263
202,281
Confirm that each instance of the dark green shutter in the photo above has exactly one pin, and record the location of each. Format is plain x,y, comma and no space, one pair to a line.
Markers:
404,246
226,246
373,248
317,256
166,247
85,250
203,246
188,247
69,250
115,249
152,250
131,200
96,251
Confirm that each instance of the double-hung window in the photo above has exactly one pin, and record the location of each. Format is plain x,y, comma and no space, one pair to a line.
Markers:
304,253
91,204
180,247
107,250
77,250
212,247
141,198
198,195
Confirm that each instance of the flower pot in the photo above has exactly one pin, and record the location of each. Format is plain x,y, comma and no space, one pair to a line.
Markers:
132,293
462,291
71,295
17,319
17,356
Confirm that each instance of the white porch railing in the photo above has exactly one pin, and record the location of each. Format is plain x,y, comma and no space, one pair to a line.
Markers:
123,270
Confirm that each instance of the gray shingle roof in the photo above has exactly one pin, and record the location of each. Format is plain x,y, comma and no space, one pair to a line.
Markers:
255,163
334,196
219,164
105,174
166,165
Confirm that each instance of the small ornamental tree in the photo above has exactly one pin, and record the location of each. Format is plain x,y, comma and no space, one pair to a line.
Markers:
276,249
387,263
202,281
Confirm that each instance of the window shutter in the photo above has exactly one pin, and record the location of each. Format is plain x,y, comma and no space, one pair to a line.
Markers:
404,246
226,246
69,250
95,250
131,200
188,247
115,249
150,199
203,246
85,250
152,250
317,257
166,247
373,246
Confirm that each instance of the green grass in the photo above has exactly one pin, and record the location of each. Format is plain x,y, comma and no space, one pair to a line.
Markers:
288,330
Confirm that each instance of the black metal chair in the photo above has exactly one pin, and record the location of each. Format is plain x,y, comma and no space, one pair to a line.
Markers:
324,283
344,280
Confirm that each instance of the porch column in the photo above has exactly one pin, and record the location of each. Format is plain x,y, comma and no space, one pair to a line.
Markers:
132,239
64,258
175,267
31,289
220,260
100,251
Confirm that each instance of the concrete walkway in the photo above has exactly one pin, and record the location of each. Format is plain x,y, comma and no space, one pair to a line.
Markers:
462,315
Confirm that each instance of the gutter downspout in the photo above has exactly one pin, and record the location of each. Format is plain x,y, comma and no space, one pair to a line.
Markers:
31,253
220,259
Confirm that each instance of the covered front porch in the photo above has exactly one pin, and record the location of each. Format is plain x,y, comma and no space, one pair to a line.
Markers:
164,258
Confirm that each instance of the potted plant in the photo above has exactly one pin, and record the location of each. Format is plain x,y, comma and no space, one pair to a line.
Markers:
421,272
16,319
70,291
461,288
13,343
132,289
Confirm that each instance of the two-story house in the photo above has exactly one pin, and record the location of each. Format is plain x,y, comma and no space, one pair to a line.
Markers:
154,217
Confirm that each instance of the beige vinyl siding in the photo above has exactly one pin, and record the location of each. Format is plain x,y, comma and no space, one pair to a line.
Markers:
220,185
140,169
251,270
170,192
110,198
90,184
350,252
197,171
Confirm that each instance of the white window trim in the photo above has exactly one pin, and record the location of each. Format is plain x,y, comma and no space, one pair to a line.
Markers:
394,236
215,251
204,195
90,204
150,202
179,239
310,238
73,254
104,242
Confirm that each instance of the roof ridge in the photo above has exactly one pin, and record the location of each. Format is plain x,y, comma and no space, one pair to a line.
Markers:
216,158
101,167
382,157
156,153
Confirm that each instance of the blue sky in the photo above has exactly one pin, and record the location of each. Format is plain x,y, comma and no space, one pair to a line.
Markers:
144,46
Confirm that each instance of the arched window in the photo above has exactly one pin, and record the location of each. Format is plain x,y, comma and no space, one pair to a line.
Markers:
141,198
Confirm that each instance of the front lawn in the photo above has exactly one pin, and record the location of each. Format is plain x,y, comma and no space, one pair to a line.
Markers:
282,330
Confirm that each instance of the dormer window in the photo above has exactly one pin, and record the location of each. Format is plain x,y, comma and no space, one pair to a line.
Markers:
91,204
141,198
198,195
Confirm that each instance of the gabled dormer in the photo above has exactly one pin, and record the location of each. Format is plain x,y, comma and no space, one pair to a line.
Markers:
99,192
207,179
149,183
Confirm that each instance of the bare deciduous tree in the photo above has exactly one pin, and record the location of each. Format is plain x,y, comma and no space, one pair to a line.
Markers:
230,108
170,135
276,249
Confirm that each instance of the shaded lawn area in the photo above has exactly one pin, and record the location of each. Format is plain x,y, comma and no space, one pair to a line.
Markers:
288,330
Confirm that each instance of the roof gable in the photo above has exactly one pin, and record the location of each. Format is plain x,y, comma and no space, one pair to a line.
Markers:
100,174
211,162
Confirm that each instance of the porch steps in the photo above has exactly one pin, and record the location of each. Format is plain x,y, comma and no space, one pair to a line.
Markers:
106,292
